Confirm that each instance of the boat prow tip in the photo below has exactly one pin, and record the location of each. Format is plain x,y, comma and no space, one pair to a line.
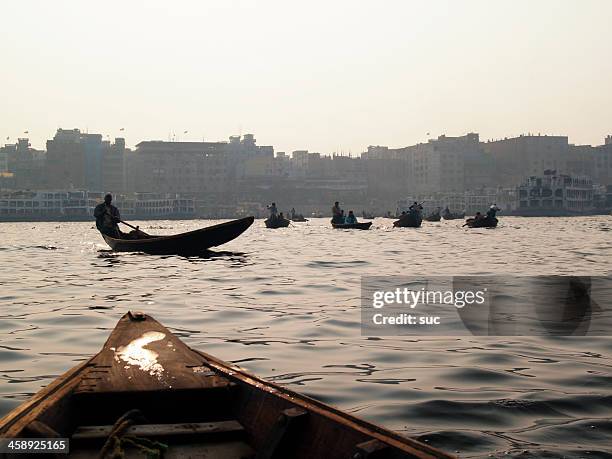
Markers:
136,315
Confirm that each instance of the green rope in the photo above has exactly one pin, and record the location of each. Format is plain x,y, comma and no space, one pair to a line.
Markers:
114,446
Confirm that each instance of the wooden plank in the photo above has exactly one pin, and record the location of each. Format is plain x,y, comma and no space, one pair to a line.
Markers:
141,355
39,429
162,430
372,449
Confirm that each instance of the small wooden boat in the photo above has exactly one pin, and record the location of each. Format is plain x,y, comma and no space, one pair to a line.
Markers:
360,226
299,218
452,216
277,223
486,222
193,242
433,217
409,220
146,393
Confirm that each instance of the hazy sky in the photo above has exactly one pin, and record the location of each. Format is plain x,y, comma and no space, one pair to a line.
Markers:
319,75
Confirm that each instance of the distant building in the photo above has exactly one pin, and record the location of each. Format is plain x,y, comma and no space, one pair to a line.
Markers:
177,167
195,167
556,194
450,164
114,166
21,166
602,163
4,160
387,172
445,164
518,158
78,205
84,161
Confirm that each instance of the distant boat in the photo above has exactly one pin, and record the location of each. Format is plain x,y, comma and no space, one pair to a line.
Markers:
367,216
409,220
298,218
486,222
452,216
277,223
360,226
435,217
192,242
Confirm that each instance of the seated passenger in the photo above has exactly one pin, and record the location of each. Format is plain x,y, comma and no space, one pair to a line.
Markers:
350,219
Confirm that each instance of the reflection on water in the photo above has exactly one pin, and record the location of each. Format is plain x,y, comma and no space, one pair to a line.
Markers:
285,304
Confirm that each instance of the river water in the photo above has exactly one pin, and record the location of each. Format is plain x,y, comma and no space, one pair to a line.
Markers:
285,304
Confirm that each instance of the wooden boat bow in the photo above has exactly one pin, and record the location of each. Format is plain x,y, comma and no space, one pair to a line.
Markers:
194,400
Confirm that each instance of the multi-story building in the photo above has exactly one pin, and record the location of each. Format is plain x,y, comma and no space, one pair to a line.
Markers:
556,194
22,166
387,172
4,160
449,164
518,158
178,167
196,167
84,161
445,164
114,166
602,163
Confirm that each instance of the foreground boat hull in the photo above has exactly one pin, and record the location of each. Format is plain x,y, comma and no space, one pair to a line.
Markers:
360,226
149,382
193,242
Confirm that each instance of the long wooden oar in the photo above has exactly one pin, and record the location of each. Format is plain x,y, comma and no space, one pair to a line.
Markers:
133,227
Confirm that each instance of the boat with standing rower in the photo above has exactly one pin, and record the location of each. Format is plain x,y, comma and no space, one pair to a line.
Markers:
190,243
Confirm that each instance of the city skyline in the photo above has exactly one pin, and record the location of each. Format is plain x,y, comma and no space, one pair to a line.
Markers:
38,141
330,78
26,135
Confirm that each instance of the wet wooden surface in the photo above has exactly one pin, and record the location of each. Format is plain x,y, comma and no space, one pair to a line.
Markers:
142,355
